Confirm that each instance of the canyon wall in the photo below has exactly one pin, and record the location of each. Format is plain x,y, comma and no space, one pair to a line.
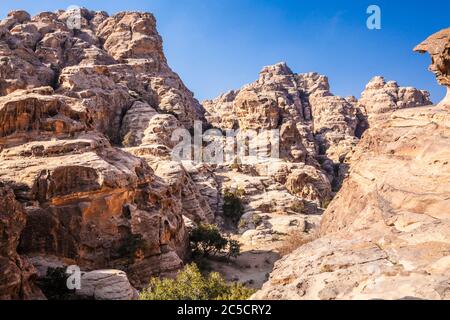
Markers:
87,176
386,234
71,99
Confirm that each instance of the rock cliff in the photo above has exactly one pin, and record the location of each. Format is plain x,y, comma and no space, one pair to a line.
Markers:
386,233
71,98
384,236
88,108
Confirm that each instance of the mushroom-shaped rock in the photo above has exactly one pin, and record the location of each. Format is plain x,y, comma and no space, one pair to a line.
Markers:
438,46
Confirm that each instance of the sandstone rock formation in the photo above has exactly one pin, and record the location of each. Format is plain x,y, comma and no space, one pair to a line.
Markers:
84,199
438,46
380,96
106,285
16,273
276,202
318,133
88,109
70,97
386,234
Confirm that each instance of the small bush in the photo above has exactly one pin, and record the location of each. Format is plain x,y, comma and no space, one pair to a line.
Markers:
129,140
232,205
234,249
207,240
190,284
294,241
242,224
326,268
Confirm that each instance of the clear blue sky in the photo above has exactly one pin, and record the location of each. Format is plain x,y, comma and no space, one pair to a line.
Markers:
218,45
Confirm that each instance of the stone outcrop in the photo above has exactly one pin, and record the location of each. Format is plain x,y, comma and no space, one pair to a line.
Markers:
16,272
438,46
84,199
282,195
106,285
380,97
386,234
88,109
75,86
318,133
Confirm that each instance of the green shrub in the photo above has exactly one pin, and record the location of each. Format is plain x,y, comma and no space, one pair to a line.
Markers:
190,284
232,205
234,249
235,166
326,202
207,240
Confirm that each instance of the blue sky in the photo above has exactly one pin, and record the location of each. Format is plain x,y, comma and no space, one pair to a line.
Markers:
218,45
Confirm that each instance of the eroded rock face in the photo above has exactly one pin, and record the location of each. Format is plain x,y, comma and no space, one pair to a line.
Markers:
438,46
380,96
318,133
84,199
69,98
279,195
386,234
16,272
285,101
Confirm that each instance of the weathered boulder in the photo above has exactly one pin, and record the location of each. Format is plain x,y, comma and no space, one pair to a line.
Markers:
386,233
438,46
69,96
106,285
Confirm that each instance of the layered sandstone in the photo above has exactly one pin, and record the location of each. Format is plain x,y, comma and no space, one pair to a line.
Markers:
380,97
71,96
318,133
386,234
16,272
88,109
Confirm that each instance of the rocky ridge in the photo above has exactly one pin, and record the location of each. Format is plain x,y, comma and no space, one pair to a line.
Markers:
87,116
70,100
318,133
386,233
